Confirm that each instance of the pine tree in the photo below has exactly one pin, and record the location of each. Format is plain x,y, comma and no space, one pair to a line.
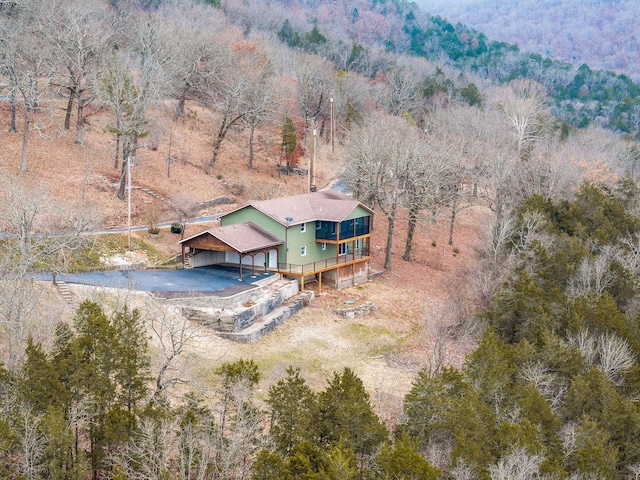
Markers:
344,414
292,403
402,460
289,143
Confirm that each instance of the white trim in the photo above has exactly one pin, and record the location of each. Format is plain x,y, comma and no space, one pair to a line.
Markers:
303,250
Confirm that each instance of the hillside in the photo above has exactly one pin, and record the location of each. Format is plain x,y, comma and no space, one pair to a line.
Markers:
505,346
390,344
602,34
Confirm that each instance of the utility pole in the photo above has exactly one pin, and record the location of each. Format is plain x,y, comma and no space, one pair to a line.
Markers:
169,157
312,170
129,200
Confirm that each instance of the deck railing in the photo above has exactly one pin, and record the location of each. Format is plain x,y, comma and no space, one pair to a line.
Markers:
320,265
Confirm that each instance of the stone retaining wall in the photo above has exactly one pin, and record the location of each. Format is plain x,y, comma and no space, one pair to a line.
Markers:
361,310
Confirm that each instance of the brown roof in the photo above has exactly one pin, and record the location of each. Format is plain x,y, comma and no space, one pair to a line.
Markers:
243,237
327,205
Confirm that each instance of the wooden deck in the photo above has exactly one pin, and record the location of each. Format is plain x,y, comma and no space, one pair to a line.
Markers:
317,268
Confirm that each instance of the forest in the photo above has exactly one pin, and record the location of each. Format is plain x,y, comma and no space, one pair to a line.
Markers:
599,33
429,119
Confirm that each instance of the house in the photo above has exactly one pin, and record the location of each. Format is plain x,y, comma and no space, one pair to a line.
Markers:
322,235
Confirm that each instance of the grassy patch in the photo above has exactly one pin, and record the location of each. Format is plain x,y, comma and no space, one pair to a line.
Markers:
375,340
89,257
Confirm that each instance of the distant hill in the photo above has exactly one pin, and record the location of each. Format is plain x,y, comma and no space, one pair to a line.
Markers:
601,33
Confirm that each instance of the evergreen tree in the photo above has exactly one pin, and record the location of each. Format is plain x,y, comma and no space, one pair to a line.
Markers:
402,460
288,35
89,360
270,466
292,403
39,383
344,414
289,142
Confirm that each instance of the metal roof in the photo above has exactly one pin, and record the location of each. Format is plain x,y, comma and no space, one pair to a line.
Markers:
326,205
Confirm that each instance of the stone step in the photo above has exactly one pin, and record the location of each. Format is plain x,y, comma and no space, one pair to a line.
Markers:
148,191
66,294
269,322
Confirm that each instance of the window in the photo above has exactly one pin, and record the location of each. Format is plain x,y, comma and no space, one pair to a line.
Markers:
324,246
319,225
343,249
303,227
303,250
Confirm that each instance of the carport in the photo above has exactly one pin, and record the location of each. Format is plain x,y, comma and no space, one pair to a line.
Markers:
243,239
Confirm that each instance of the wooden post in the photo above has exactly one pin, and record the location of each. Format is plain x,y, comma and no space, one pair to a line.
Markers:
253,266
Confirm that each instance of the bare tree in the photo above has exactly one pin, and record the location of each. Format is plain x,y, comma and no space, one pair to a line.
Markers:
439,328
546,382
174,334
30,62
80,32
187,28
382,152
594,274
39,235
426,182
315,79
128,86
263,101
186,207
516,465
234,91
399,90
151,453
609,353
523,104
32,445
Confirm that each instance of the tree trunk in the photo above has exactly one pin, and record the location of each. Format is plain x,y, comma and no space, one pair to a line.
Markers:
80,120
123,179
216,146
25,138
126,152
67,115
118,136
391,219
413,221
454,209
12,128
179,113
252,129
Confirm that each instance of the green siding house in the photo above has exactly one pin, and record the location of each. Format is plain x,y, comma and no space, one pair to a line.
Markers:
322,235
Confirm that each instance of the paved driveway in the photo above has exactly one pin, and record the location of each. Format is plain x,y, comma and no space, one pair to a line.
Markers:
210,280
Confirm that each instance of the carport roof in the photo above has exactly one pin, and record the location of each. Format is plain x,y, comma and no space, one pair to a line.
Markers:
243,237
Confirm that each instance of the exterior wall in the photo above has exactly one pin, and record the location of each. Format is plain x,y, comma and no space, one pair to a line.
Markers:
296,240
358,212
290,251
232,257
342,277
249,213
207,257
